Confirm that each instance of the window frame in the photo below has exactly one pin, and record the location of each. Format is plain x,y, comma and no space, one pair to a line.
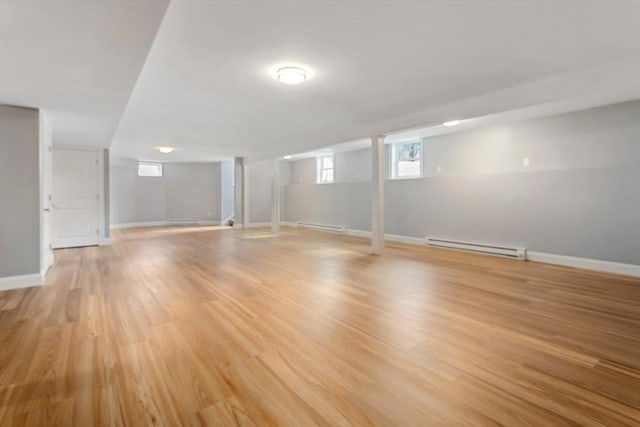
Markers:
393,160
156,164
320,168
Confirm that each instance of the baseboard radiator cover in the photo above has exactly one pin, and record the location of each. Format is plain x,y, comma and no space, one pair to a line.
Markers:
496,250
322,227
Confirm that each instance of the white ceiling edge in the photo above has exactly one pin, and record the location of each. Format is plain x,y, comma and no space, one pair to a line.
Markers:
117,160
603,85
343,147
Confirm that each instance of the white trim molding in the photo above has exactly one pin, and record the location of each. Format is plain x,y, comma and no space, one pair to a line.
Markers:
138,224
258,224
21,281
408,240
159,224
417,241
585,263
542,257
238,225
48,262
358,233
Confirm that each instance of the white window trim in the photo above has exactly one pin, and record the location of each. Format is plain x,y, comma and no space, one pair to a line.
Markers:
392,173
150,163
319,169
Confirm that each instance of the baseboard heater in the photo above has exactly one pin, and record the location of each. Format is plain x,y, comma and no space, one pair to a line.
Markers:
503,251
178,221
322,227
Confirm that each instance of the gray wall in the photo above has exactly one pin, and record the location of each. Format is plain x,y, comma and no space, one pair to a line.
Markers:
186,191
351,166
303,171
261,189
19,191
580,196
193,191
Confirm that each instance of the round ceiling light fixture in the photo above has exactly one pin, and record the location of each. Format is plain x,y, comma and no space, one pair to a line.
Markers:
165,150
291,75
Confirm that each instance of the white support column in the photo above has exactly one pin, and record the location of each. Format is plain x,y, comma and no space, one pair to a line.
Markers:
245,193
275,198
377,195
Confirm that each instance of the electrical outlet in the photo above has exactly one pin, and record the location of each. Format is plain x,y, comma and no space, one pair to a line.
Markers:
525,162
438,169
209,213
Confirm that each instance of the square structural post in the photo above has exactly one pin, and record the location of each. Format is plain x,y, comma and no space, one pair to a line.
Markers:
377,194
275,198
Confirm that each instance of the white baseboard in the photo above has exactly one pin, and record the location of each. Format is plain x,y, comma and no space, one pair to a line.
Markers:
48,262
543,257
418,241
358,233
258,224
137,224
105,241
21,281
264,224
389,237
159,224
585,263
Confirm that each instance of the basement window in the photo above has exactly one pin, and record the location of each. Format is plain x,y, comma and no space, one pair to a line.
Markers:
153,170
326,169
406,160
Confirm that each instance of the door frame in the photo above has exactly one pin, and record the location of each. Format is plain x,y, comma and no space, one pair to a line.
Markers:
46,178
102,240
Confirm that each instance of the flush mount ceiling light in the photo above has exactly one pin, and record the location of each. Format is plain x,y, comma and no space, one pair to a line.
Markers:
165,150
451,123
287,157
291,75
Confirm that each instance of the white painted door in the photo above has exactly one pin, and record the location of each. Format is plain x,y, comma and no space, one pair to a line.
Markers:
75,197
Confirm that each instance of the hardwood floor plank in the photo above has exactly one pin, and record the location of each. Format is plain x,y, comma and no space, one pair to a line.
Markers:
202,326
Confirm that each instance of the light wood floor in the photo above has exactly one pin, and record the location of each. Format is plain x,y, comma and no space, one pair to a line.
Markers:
184,326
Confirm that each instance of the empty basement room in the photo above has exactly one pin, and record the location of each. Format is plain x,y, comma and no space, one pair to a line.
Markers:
331,213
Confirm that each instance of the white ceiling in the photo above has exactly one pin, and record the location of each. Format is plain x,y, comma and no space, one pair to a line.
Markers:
208,88
76,60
